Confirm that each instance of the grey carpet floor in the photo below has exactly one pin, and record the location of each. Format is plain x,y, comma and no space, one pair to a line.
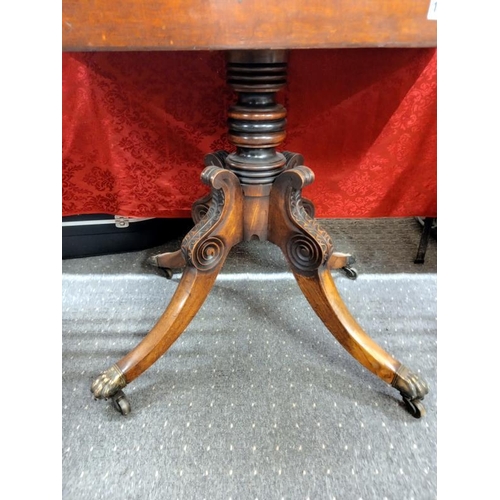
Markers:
256,400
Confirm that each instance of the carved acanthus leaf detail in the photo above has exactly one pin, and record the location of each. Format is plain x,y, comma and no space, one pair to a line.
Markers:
206,255
311,246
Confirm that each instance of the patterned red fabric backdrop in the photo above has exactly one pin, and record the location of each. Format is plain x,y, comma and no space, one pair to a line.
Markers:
136,126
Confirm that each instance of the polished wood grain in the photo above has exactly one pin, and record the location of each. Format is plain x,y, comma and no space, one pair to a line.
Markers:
308,249
204,251
189,296
244,24
322,294
257,194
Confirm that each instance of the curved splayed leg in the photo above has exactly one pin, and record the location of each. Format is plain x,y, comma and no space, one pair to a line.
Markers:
204,249
309,251
175,260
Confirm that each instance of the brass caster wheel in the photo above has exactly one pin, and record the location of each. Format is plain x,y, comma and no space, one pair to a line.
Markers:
350,272
415,407
120,402
168,272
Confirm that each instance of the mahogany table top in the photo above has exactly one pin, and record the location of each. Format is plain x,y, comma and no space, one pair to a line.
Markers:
89,25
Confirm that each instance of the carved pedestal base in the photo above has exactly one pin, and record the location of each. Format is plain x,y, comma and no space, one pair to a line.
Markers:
309,252
256,193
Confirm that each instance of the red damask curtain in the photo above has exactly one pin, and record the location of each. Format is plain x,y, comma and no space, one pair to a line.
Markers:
136,126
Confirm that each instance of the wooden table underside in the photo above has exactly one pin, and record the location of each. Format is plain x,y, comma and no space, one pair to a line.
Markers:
244,24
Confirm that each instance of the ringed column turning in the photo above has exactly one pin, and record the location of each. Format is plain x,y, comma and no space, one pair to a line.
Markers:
256,126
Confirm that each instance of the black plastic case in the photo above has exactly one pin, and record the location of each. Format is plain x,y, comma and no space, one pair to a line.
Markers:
102,234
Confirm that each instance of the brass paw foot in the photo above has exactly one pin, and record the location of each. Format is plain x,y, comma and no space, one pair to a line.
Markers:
108,383
412,389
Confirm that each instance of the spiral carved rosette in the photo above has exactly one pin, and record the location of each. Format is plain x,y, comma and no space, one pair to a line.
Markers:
208,253
305,244
312,247
304,253
204,246
199,250
308,250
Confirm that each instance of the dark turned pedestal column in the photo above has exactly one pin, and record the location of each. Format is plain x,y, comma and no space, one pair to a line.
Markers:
256,127
257,194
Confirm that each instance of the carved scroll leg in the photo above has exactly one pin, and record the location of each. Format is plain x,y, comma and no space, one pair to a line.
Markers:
200,207
175,260
205,249
169,261
309,250
322,294
296,160
342,261
187,300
